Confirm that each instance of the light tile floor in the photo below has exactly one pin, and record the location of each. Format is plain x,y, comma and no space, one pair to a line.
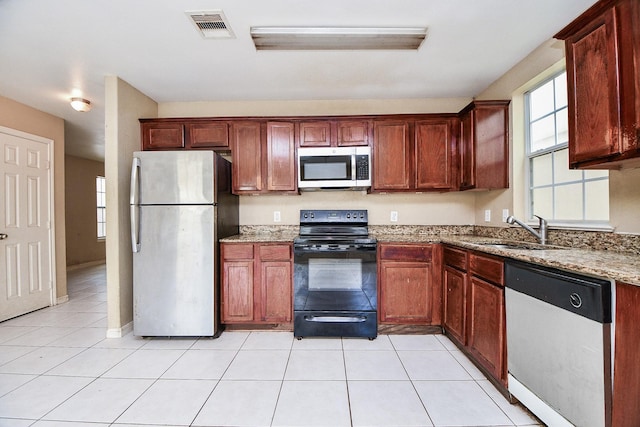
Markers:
57,369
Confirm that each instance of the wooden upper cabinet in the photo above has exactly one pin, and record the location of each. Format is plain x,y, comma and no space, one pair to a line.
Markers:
315,134
281,162
246,148
332,133
603,66
391,155
352,132
207,134
484,151
159,135
434,153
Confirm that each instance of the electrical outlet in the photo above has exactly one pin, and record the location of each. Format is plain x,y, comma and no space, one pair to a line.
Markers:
394,216
487,215
276,216
505,215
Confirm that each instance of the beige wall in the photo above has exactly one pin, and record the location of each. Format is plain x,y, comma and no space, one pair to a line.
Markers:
18,116
124,105
413,209
83,245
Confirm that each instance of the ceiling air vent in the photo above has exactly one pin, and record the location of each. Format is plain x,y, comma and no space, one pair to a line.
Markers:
212,24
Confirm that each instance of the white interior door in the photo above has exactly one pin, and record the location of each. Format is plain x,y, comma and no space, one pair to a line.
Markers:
25,224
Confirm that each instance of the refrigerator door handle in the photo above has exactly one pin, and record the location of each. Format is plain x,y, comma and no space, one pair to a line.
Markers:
135,211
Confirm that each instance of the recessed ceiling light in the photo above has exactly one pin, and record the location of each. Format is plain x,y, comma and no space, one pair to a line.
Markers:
337,38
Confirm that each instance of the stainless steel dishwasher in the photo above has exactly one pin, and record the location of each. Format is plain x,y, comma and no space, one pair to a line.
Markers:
559,344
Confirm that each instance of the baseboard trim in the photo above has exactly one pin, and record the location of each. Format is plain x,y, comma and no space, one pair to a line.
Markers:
85,264
62,299
120,332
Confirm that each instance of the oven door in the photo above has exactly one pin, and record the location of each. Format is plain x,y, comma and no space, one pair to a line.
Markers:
335,290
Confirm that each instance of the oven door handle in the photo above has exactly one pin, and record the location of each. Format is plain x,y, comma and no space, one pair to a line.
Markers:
336,319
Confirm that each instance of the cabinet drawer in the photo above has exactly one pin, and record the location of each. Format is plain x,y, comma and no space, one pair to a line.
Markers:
237,251
488,268
456,258
406,252
275,252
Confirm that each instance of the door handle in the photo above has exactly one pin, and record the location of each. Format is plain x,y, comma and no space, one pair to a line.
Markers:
3,236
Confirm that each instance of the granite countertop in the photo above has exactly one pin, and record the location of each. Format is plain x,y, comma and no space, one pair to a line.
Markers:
601,263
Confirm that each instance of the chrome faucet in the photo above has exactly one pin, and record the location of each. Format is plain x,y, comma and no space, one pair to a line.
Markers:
541,235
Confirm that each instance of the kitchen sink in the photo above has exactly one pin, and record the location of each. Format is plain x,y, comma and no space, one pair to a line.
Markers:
522,246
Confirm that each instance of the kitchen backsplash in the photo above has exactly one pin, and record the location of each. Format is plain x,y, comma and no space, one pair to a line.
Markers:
597,240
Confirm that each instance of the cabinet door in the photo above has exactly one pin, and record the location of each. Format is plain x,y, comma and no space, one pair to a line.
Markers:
237,291
162,135
246,150
391,156
281,165
592,74
275,287
315,134
491,128
214,134
433,156
353,133
486,331
405,292
454,303
466,150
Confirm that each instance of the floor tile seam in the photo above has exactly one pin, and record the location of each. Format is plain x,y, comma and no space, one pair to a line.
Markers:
467,380
494,400
114,421
284,373
42,418
21,385
22,355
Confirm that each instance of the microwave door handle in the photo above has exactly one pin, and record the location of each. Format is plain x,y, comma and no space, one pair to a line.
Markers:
354,159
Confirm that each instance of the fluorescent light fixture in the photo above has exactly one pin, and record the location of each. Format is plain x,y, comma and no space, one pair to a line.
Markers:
81,104
337,38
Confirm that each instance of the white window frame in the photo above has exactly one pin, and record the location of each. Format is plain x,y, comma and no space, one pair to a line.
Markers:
529,156
101,207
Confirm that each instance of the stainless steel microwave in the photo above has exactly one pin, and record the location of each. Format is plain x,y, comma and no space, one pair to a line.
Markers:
334,167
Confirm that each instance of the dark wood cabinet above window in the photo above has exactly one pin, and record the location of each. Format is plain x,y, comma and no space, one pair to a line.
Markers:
603,75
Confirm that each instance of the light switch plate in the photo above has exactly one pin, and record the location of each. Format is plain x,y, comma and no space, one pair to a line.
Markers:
394,216
505,215
487,215
276,216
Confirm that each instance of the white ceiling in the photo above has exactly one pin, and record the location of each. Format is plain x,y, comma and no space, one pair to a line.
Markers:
51,50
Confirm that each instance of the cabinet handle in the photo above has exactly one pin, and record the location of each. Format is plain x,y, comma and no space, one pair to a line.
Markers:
3,236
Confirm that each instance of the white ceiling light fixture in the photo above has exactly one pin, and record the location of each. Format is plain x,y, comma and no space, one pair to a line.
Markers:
211,24
338,38
80,104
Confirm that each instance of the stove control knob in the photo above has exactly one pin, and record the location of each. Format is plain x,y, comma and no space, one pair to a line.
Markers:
348,215
305,215
312,215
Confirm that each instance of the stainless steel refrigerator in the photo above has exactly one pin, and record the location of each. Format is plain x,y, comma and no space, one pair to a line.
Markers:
181,204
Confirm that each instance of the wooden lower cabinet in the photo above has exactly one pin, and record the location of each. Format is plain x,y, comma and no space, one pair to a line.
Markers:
256,283
474,308
486,340
408,288
455,289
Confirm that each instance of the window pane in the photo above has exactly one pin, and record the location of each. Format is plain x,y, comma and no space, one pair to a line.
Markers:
542,202
568,202
543,134
562,124
541,170
561,90
597,200
561,168
541,101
